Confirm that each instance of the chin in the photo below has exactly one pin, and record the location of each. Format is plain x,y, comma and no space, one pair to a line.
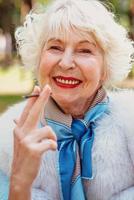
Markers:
64,100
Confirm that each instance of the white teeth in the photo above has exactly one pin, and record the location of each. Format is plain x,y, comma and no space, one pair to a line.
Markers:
70,82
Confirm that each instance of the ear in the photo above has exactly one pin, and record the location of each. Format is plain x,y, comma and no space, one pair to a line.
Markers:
105,75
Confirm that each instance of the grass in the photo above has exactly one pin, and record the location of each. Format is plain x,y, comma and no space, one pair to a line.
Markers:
8,100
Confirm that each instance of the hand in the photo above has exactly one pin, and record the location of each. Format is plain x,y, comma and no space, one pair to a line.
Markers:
30,142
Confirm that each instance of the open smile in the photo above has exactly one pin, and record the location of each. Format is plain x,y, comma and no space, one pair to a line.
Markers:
67,82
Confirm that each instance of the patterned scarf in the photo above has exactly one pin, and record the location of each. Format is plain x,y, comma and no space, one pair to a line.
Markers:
75,147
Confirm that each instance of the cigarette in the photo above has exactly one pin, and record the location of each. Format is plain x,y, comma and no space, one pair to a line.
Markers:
31,95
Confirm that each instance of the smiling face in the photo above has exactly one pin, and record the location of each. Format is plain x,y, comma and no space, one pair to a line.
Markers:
73,67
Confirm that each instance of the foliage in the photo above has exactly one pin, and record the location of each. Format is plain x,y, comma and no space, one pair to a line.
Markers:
8,100
44,1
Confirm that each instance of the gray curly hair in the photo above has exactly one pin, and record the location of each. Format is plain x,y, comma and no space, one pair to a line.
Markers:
84,16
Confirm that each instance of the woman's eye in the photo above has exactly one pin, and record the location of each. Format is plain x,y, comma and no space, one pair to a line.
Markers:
56,48
85,51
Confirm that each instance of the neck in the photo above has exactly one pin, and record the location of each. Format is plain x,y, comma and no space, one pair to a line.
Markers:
83,108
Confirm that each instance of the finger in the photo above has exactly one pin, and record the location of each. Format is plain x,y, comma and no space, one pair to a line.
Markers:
41,134
37,149
46,145
28,107
34,114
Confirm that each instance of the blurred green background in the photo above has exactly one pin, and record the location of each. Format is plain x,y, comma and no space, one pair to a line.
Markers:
15,81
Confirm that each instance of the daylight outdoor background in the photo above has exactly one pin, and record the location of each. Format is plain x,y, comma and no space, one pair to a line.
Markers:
14,80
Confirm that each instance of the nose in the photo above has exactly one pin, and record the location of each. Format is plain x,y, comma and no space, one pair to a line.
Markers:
67,60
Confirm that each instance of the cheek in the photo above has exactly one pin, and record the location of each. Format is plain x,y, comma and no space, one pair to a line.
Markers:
92,73
91,69
47,64
44,70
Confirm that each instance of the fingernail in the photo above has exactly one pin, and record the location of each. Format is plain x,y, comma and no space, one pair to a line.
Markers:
36,87
47,88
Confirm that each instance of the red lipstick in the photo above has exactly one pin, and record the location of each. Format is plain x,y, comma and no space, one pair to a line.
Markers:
66,82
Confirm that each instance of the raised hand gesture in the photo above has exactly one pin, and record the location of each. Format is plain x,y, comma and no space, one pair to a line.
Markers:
30,142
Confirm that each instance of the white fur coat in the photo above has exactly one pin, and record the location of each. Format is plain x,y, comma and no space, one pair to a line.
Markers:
112,153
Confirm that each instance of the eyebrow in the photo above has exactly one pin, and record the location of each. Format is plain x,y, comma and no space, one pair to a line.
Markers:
87,41
54,39
80,42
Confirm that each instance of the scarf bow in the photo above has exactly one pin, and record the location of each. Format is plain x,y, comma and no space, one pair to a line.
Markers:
75,146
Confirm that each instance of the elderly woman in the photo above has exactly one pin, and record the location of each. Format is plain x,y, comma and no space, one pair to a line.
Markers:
72,140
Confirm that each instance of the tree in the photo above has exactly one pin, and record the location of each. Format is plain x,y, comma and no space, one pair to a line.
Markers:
26,6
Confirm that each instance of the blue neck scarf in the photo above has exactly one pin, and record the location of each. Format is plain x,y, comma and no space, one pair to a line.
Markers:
75,147
75,141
